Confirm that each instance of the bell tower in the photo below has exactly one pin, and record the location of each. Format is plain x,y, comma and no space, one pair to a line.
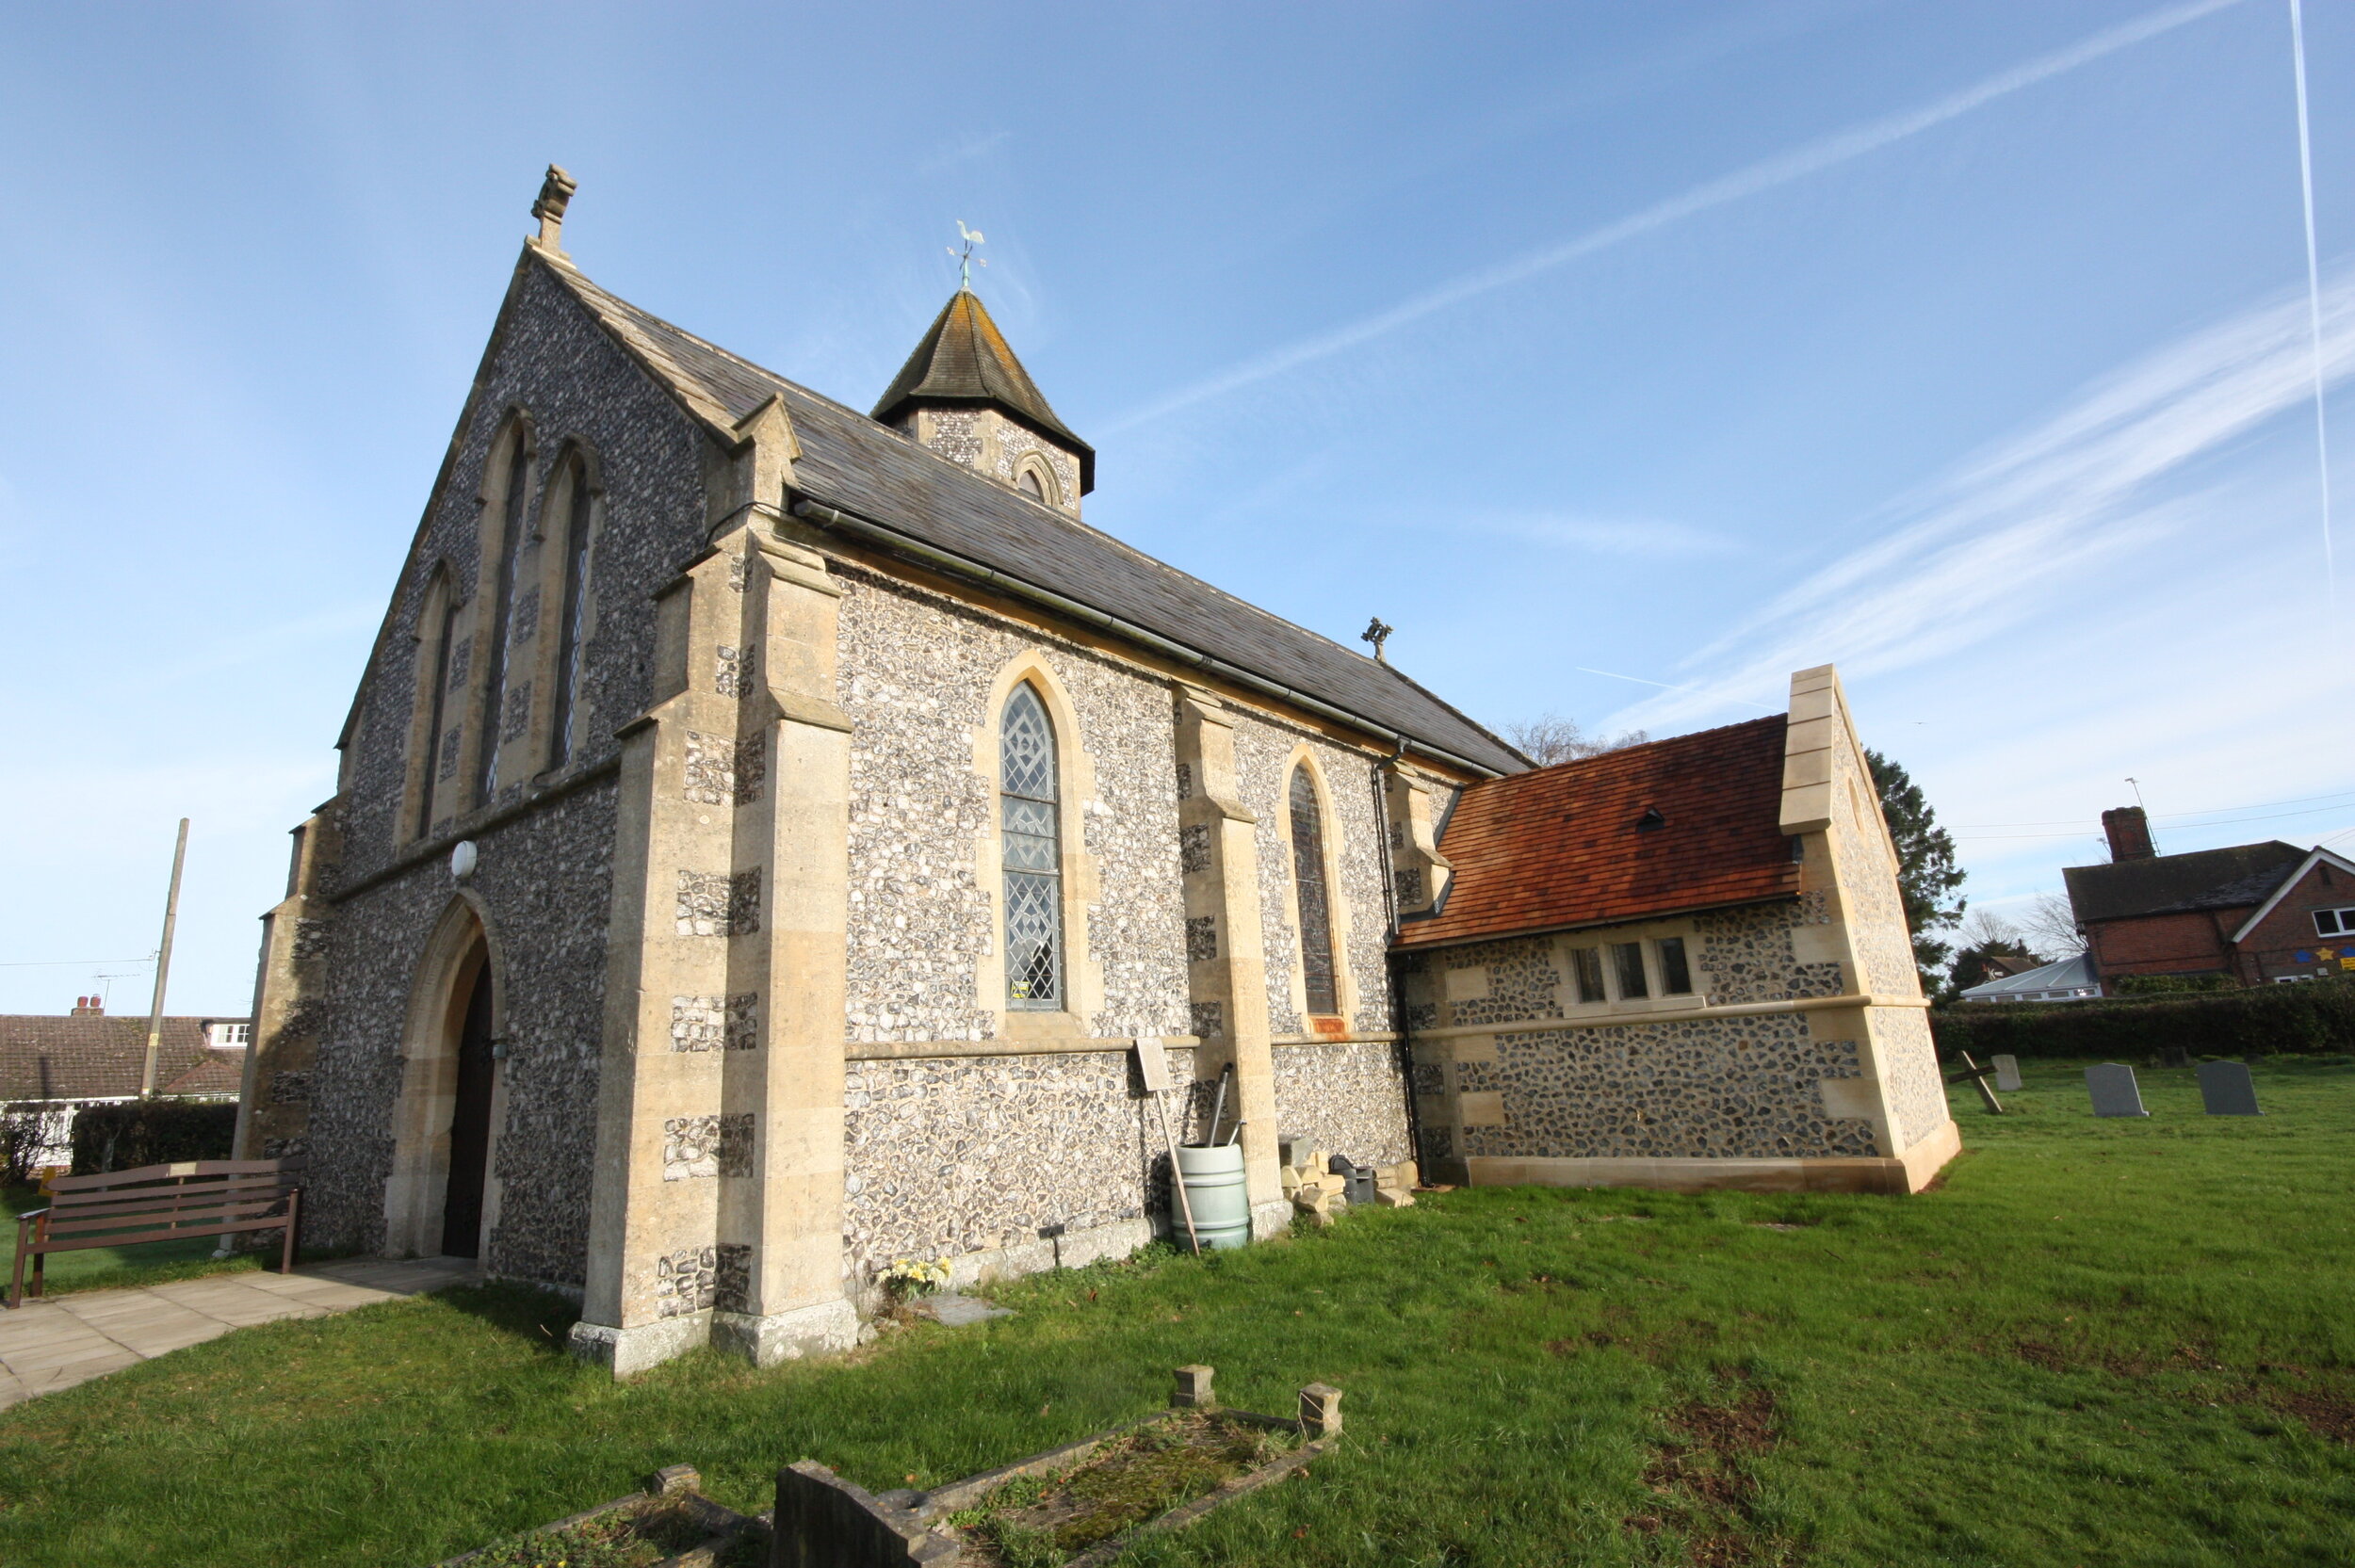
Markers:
964,395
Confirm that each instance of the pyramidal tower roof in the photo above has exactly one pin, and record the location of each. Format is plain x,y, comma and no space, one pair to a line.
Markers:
964,360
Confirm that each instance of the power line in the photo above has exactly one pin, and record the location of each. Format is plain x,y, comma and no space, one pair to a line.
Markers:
72,963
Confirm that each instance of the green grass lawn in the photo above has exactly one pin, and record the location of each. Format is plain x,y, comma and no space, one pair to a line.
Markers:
2095,1342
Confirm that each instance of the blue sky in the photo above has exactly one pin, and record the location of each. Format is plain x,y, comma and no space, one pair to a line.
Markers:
1964,346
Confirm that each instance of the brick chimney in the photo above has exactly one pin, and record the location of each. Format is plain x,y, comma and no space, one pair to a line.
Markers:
88,1006
2130,834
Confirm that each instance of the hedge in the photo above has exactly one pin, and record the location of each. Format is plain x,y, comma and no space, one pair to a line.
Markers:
2316,1018
151,1132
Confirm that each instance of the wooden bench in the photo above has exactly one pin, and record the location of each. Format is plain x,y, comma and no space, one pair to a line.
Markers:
157,1203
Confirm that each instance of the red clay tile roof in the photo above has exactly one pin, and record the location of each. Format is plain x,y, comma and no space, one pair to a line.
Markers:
1561,846
47,1057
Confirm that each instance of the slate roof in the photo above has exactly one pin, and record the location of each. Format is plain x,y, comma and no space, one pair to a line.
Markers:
2240,876
1563,846
853,464
963,360
45,1056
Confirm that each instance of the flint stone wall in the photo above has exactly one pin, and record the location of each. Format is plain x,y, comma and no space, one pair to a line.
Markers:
1347,1099
1356,838
545,883
1703,1088
545,879
917,670
575,384
947,1157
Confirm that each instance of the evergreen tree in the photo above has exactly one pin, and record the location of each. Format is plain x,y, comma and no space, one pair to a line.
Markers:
1927,872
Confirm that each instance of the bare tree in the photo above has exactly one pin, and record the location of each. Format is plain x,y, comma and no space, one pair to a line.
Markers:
2052,926
1551,738
1983,928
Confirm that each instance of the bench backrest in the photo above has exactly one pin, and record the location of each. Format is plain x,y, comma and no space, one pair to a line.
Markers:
153,1203
187,1172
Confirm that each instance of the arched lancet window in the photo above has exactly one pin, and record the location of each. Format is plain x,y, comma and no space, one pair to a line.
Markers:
1316,910
572,607
1027,796
1034,477
437,619
510,545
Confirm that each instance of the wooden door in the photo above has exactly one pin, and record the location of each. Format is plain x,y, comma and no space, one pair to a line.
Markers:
470,1127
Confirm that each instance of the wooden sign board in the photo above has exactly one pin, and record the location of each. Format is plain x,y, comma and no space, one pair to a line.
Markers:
1153,1065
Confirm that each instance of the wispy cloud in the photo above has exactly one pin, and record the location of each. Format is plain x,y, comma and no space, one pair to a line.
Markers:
1981,550
1646,539
1779,170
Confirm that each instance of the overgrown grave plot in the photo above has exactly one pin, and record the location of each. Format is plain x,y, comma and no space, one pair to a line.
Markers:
670,1525
1078,1506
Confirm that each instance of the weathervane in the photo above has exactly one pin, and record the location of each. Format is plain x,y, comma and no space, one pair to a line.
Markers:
967,260
1376,633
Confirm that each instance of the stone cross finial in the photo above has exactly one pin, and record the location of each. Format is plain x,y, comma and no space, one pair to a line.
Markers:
1376,633
556,192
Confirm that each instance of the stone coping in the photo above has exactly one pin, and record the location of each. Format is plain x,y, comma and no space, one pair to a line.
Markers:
923,1050
1672,1015
437,846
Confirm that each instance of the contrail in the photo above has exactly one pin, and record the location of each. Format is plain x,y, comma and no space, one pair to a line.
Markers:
2313,296
1715,193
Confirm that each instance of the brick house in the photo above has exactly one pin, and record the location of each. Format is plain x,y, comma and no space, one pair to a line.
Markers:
53,1065
2250,912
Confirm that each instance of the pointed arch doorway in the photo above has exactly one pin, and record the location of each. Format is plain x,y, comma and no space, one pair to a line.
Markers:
470,1122
442,1196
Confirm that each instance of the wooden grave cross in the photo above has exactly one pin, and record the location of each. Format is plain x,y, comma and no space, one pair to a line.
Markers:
1979,1076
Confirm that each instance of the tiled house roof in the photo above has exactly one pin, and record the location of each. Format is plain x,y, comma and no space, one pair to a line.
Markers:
964,360
1570,845
2241,877
51,1058
850,462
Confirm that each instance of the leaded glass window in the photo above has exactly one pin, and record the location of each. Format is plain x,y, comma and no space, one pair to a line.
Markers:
1034,853
1316,910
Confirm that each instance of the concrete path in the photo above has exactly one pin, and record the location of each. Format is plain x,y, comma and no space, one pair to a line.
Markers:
50,1344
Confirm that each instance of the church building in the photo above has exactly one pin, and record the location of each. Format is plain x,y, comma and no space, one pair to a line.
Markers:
769,838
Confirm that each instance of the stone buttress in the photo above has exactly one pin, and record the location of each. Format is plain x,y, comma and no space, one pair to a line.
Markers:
273,1104
716,1215
1847,873
1219,859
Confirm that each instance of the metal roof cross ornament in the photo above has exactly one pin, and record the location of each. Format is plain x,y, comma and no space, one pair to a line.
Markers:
967,260
1376,633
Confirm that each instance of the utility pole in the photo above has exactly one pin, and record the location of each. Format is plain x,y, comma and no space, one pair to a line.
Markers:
163,966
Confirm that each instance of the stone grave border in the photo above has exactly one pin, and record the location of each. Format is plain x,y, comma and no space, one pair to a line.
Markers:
823,1521
679,1484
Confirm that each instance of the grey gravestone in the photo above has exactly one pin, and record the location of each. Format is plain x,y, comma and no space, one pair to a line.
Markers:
2006,1073
2112,1086
2227,1090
